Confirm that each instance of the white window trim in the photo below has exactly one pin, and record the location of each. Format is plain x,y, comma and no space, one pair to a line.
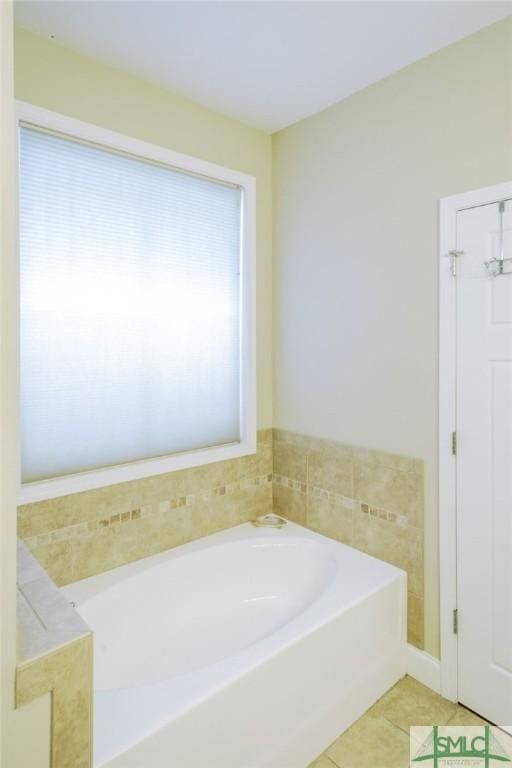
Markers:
84,481
449,207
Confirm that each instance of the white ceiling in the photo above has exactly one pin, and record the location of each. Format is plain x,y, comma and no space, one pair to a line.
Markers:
265,63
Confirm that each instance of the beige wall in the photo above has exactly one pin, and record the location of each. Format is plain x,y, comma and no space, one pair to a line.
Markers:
10,720
55,78
356,191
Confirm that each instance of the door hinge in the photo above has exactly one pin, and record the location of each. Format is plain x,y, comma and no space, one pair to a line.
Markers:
456,621
454,443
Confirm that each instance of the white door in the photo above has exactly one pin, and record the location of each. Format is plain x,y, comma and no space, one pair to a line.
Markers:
484,461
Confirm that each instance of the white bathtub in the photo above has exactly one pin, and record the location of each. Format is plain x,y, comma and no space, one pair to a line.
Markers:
250,648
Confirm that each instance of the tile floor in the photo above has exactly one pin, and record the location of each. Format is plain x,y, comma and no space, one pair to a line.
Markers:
380,739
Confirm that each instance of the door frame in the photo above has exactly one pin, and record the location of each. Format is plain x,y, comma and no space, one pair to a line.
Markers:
448,209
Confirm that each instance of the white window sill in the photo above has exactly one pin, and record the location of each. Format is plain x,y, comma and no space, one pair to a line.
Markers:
99,478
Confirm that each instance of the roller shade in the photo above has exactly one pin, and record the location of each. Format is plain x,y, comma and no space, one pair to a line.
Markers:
130,308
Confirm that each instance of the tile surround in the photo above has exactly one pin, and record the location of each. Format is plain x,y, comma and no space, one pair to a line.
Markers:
55,655
86,533
289,504
369,499
67,673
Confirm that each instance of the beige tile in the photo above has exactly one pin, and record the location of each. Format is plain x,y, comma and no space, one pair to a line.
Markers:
106,548
332,469
322,762
290,504
265,436
67,672
465,716
184,482
213,475
71,714
411,703
238,508
385,459
366,455
382,539
148,535
400,546
24,522
56,559
300,442
258,502
52,514
259,463
415,620
290,461
95,552
226,511
372,742
41,517
415,561
330,519
394,490
403,547
80,553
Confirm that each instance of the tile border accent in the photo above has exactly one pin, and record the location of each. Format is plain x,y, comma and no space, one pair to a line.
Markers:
287,482
148,510
355,505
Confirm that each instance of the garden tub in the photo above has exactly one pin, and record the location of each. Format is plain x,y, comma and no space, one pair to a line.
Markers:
249,648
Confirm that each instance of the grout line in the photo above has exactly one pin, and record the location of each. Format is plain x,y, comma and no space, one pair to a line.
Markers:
398,727
347,502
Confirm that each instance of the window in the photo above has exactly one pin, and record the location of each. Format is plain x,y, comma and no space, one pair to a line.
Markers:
135,309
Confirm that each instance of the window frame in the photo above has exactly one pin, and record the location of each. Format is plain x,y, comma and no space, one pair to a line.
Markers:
29,114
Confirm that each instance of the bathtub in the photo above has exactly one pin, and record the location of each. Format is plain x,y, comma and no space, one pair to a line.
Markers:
249,648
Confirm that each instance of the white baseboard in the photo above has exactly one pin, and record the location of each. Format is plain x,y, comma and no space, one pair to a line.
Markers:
424,668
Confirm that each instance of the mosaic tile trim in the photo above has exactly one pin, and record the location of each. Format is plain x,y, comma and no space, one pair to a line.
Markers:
355,505
287,482
163,507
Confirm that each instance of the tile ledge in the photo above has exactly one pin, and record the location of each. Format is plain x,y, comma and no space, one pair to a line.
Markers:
46,620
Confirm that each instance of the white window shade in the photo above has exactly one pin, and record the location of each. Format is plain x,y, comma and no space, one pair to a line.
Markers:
130,308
